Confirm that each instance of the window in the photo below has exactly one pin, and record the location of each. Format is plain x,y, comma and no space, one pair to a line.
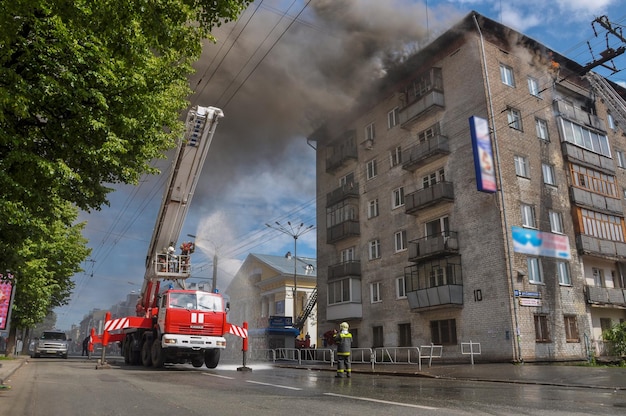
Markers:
347,254
377,337
585,138
393,118
404,335
443,332
528,216
433,178
400,240
605,323
541,328
395,156
548,174
400,287
347,180
542,129
621,161
562,270
521,166
571,328
428,133
344,290
598,277
514,118
372,208
375,295
397,197
556,222
611,121
372,169
534,270
506,74
593,180
599,225
533,87
340,213
437,227
370,132
374,249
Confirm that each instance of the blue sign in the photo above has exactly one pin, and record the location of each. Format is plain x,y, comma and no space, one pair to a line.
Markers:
280,321
527,294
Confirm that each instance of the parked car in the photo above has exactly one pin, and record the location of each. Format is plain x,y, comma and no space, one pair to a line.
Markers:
50,343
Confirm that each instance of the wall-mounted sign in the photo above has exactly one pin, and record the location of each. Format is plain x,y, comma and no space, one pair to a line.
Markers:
484,164
529,302
527,294
538,243
6,297
280,321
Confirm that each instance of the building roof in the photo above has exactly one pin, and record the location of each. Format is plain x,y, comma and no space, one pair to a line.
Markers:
305,266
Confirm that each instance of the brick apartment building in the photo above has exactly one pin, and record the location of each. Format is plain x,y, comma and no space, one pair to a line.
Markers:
411,252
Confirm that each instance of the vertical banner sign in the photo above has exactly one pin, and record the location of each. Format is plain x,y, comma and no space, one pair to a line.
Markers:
483,156
6,296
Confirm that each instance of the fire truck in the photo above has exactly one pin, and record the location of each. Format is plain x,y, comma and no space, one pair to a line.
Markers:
174,324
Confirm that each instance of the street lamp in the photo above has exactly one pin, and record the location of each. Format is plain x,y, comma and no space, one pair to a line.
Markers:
294,231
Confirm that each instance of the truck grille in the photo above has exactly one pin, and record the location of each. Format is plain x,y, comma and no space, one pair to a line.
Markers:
206,330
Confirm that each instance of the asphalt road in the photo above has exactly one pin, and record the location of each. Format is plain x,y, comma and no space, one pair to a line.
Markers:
50,387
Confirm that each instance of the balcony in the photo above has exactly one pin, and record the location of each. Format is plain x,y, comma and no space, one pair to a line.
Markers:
341,151
435,284
434,246
585,198
605,296
423,198
427,151
422,96
344,311
581,155
342,193
593,246
347,268
346,229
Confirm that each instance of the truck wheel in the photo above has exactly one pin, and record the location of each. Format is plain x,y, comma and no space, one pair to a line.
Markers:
146,353
197,361
212,358
157,354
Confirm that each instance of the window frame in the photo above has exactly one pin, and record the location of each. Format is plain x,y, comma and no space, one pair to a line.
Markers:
542,329
535,271
401,287
522,167
541,128
371,168
443,332
514,118
393,118
373,249
370,131
373,209
395,156
400,243
533,87
376,292
549,177
507,76
529,219
563,273
556,221
397,197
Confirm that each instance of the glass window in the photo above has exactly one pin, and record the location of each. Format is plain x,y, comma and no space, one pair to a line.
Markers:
400,287
611,121
400,240
514,118
571,328
534,270
404,335
375,295
542,129
443,332
370,132
397,197
548,174
378,337
556,222
395,156
533,87
562,270
393,117
374,249
528,216
621,161
521,166
372,208
506,74
583,137
372,169
541,329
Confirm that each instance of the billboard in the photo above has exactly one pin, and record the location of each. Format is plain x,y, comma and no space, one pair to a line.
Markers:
483,155
6,296
537,243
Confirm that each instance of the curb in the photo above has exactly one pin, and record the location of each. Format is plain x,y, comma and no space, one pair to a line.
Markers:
11,372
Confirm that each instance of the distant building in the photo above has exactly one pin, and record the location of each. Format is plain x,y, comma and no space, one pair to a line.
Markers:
261,293
416,247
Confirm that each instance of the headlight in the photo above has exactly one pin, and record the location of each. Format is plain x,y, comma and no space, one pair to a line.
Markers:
169,340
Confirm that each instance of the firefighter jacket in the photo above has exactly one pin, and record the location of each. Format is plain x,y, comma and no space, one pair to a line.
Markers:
344,343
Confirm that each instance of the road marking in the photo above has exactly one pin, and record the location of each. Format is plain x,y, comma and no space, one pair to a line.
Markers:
217,375
274,385
366,399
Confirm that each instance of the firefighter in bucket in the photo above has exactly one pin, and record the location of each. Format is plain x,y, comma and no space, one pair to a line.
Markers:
343,339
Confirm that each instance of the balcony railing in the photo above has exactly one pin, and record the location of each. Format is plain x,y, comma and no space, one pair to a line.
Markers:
424,152
436,296
349,228
343,192
594,246
428,102
435,283
439,192
606,296
433,246
347,268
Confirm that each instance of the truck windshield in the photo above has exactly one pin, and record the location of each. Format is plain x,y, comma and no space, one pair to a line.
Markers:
183,300
208,302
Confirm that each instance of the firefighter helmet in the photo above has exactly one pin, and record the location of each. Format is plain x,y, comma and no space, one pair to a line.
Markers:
344,325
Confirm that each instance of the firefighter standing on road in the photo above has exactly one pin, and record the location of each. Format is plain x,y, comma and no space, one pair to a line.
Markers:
343,339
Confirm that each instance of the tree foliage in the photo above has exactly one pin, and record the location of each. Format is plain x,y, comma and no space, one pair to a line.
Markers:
90,93
616,335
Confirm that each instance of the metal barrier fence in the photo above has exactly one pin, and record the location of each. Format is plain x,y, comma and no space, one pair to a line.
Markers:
373,356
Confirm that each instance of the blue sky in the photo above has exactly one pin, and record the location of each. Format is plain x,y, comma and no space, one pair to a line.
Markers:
276,73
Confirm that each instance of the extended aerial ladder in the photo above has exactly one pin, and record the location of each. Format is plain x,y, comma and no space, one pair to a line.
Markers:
613,100
162,263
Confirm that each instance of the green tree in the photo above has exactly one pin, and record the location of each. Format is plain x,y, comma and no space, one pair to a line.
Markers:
90,93
616,335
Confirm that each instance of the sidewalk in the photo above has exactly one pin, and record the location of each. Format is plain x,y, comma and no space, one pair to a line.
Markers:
567,375
10,366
